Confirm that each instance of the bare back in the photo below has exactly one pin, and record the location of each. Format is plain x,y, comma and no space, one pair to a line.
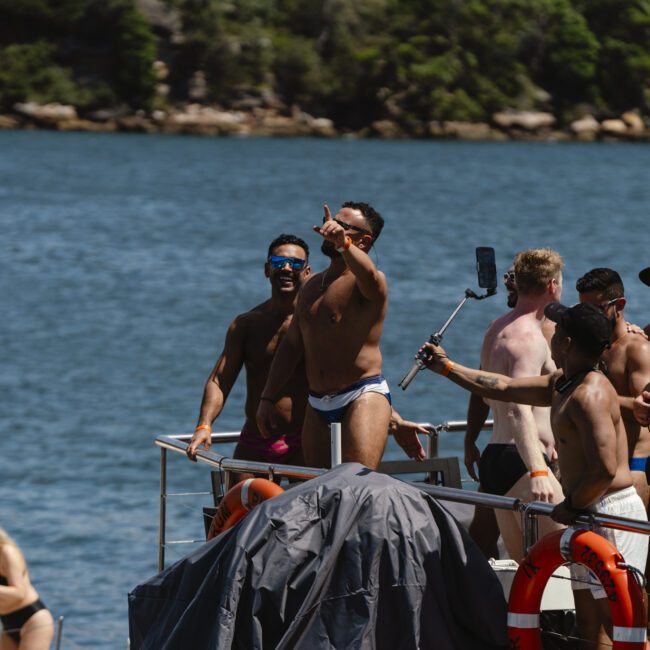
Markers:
341,330
261,331
515,345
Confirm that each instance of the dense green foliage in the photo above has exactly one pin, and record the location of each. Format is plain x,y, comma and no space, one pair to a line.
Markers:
90,53
355,61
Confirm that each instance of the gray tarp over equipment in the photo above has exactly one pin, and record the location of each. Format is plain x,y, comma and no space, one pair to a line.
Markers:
352,559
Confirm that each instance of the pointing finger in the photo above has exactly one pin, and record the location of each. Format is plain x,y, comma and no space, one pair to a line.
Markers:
327,215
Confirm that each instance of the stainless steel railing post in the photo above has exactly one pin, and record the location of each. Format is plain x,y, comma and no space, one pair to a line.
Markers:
163,509
59,633
336,450
529,524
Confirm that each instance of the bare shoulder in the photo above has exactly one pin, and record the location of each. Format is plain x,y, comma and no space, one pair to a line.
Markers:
594,394
523,336
637,346
499,327
10,555
252,317
311,289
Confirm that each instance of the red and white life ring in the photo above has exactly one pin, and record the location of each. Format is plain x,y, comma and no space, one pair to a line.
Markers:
239,500
596,553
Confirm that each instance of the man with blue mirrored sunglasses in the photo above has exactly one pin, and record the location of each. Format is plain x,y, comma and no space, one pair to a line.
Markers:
251,341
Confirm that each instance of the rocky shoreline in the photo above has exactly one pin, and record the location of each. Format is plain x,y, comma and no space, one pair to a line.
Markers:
198,119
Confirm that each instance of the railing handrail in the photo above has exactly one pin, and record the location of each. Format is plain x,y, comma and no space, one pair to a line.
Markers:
233,436
176,443
533,507
529,511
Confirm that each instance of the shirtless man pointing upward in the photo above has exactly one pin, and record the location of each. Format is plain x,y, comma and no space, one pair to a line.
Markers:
336,328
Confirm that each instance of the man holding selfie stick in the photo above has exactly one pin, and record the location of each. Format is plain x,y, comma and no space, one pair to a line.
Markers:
251,341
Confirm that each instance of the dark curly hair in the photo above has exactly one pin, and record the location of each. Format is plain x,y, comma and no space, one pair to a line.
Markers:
288,239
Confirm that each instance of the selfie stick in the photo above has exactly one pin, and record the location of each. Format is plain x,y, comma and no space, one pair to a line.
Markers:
436,337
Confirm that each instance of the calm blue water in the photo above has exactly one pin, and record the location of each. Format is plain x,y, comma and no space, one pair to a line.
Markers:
125,257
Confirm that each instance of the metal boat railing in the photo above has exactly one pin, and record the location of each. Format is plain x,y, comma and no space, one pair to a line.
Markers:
529,511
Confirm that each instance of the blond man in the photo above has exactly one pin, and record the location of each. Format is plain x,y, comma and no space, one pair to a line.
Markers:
516,461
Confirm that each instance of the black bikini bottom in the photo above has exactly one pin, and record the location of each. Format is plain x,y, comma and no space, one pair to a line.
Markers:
14,621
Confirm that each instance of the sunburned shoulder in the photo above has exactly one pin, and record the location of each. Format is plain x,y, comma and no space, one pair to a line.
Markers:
520,335
512,324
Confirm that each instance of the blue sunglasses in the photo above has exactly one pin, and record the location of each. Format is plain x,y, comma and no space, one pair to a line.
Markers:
279,262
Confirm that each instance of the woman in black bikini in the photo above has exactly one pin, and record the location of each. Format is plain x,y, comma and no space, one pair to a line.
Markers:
27,623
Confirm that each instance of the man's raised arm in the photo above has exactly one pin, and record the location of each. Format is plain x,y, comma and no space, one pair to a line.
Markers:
536,391
287,356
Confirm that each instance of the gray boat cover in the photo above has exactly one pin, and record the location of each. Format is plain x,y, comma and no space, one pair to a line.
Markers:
352,559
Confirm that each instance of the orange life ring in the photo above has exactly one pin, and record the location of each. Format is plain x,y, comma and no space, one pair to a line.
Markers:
239,500
596,553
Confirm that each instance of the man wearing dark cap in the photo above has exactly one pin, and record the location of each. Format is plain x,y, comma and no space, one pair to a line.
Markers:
589,436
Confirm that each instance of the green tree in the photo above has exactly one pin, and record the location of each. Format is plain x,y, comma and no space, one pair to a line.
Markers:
32,20
560,51
623,29
135,53
29,73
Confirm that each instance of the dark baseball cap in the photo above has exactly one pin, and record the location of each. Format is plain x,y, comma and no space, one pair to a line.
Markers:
584,323
644,276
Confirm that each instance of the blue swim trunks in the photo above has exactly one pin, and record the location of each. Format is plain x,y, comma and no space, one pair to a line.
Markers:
332,407
638,464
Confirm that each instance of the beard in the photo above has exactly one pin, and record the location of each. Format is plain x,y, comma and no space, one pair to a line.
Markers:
328,249
512,299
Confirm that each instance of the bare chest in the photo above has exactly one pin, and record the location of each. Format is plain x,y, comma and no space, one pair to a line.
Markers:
333,305
263,339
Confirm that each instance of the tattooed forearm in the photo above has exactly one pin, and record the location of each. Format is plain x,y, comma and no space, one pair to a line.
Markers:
488,382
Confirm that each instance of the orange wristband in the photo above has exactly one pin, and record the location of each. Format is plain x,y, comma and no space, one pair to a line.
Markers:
203,426
539,472
449,366
348,243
